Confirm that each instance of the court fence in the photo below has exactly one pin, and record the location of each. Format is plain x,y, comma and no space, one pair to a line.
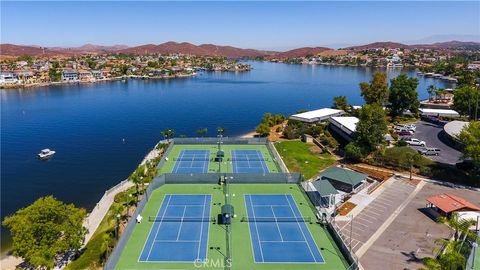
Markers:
224,140
192,178
279,161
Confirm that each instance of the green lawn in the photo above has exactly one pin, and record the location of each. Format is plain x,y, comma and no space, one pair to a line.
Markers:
226,166
298,158
242,254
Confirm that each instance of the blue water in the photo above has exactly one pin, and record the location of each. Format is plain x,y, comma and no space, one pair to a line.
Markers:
86,123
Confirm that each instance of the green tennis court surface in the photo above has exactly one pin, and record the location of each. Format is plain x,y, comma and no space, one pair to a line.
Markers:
190,158
242,251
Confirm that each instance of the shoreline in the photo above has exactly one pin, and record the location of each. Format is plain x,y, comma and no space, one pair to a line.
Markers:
251,134
111,79
94,217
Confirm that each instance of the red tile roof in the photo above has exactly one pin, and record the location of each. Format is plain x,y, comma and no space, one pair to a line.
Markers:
450,203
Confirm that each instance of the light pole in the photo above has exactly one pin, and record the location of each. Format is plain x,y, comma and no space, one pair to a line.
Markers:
351,229
476,101
117,218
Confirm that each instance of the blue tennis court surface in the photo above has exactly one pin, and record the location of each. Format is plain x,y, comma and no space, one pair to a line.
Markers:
192,161
180,232
248,161
275,240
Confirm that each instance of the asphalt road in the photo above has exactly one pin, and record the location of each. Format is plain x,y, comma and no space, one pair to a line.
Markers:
430,133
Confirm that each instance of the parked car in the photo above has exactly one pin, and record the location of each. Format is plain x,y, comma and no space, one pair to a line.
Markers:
429,151
415,142
410,127
405,133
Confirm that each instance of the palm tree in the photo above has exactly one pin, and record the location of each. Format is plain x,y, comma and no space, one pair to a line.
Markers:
202,132
107,245
431,90
137,178
459,226
167,133
449,256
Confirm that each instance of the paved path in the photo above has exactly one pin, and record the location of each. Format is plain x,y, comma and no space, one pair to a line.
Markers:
98,213
373,217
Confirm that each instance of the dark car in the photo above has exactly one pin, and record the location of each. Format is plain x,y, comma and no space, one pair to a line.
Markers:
405,133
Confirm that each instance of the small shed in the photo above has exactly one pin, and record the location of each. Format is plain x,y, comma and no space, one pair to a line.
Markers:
344,179
445,204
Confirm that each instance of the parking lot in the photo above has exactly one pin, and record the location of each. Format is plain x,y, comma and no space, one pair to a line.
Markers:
430,133
366,223
411,236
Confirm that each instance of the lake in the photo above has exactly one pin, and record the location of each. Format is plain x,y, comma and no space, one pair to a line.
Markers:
86,123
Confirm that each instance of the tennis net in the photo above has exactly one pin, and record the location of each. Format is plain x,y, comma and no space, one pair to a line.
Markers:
180,219
247,159
193,159
271,219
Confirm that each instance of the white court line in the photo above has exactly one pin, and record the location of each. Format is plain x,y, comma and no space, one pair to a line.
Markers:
158,228
299,226
371,212
262,162
256,228
201,227
278,227
176,241
181,222
271,241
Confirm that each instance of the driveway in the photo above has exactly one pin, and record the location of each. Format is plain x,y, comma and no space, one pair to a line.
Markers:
430,133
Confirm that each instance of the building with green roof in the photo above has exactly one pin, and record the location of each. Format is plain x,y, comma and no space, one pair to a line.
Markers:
342,179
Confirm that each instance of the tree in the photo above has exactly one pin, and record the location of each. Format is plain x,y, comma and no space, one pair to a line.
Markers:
137,178
432,89
460,227
202,131
167,133
403,95
377,90
353,152
372,127
450,258
470,137
465,101
263,129
45,229
340,103
108,243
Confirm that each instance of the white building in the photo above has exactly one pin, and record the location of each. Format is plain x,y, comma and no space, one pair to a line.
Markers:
69,75
317,116
8,78
345,126
438,112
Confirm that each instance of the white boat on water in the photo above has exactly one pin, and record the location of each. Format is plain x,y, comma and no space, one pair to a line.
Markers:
45,153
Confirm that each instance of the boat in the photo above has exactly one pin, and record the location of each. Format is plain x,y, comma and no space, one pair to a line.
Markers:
45,153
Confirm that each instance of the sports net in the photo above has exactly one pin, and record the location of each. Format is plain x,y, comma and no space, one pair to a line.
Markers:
271,219
247,159
180,219
193,159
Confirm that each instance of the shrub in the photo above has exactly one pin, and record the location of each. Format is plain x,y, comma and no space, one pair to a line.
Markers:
353,152
401,143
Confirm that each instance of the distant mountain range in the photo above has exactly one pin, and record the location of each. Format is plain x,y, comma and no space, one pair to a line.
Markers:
11,50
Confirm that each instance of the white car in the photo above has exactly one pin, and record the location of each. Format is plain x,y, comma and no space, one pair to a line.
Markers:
416,142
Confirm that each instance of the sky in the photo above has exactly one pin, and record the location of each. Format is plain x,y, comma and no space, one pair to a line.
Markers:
259,25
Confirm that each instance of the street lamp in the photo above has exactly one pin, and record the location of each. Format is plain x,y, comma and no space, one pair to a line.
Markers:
117,218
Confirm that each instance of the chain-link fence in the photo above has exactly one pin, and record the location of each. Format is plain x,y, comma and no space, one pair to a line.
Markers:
115,256
224,140
233,178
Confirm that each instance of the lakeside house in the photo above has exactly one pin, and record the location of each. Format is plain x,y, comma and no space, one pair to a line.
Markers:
70,75
345,126
8,78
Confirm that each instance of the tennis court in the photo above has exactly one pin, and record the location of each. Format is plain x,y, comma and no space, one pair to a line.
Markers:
278,231
180,230
192,161
248,161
